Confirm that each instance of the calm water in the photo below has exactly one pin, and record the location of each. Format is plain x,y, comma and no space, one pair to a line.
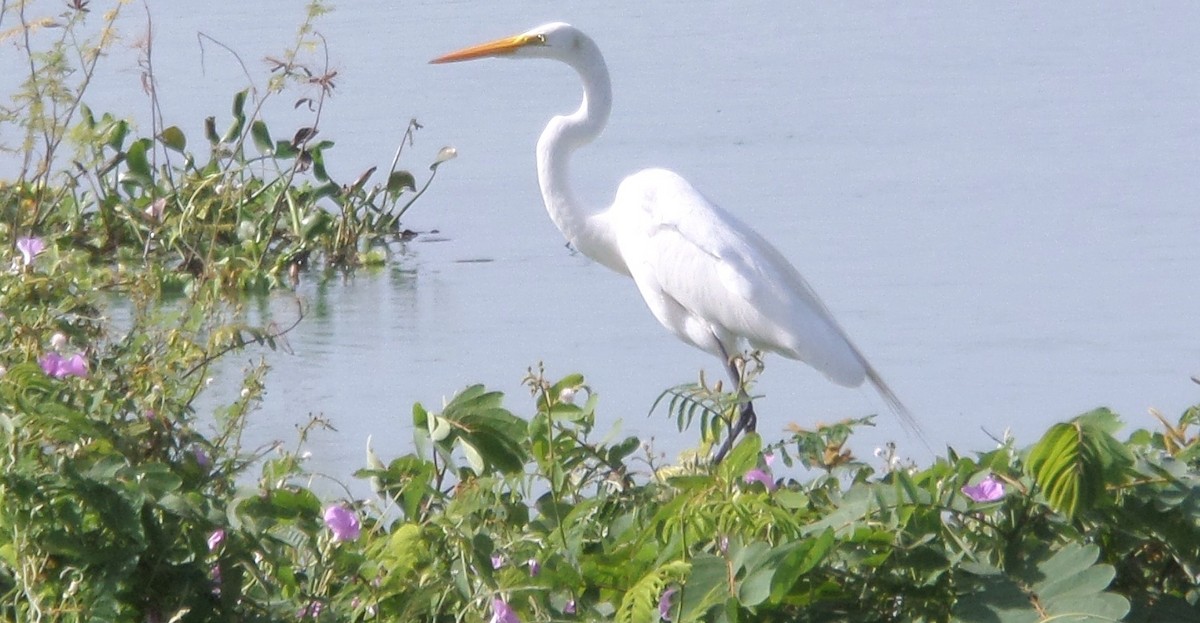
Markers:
998,203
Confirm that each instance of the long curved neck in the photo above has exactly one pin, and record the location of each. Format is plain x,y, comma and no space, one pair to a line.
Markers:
562,136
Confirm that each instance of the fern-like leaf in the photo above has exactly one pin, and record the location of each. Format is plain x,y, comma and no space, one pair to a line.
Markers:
640,604
1074,462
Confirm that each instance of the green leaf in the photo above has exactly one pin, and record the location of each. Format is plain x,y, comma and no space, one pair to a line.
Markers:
315,224
289,503
707,586
1065,587
640,603
239,104
1075,461
284,150
318,164
157,479
137,161
474,458
173,138
401,180
756,587
115,137
239,117
262,137
799,557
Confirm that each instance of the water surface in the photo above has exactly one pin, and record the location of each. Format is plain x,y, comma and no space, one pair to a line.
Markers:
997,202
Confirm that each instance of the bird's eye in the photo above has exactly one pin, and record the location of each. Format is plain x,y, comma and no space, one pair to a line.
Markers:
541,39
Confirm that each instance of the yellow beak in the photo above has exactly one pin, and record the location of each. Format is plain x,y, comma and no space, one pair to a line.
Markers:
499,47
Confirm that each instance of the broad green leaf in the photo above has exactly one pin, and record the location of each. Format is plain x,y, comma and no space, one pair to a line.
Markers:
1088,582
707,586
1068,561
799,558
318,164
756,587
138,162
401,180
284,150
440,428
474,458
262,137
294,503
1074,462
239,104
173,138
115,137
316,224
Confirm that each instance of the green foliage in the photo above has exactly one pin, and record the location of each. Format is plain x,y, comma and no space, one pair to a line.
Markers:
1076,461
237,210
1067,586
123,503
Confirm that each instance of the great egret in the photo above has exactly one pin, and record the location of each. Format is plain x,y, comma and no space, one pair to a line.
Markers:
707,277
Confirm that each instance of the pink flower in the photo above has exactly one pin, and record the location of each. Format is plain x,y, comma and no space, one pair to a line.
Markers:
343,523
664,603
57,366
989,489
311,611
497,561
570,607
535,567
502,612
762,476
29,247
216,539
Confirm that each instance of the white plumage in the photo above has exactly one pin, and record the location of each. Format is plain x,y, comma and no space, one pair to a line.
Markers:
707,277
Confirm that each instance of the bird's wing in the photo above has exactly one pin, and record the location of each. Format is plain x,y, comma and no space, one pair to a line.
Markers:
725,274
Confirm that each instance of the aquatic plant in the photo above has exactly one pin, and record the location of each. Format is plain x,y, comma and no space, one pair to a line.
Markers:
240,209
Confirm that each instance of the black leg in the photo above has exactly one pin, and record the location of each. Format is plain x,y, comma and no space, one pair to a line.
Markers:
747,421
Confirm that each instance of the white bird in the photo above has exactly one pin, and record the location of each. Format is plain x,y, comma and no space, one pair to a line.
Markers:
707,277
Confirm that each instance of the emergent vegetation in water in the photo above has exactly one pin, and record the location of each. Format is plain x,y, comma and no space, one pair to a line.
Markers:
243,207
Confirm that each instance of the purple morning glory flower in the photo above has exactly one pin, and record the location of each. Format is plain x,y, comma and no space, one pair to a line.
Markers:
216,539
497,561
760,475
57,366
570,607
989,489
535,567
664,603
29,248
502,612
343,523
